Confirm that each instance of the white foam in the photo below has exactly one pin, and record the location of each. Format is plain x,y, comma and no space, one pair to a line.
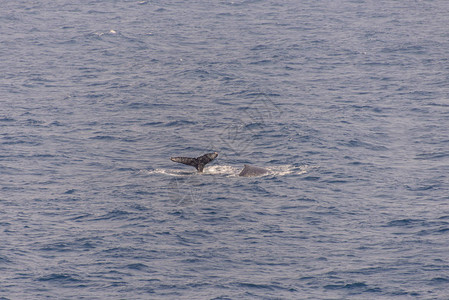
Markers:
222,170
232,171
170,172
287,170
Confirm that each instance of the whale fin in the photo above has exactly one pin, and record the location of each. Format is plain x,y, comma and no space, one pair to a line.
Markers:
198,162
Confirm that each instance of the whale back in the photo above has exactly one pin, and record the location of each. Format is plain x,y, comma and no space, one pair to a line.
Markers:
249,171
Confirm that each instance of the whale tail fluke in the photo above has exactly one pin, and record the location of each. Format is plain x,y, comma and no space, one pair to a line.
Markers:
198,162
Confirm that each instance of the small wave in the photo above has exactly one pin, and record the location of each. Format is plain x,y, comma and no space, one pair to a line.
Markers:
179,123
404,222
355,285
102,137
439,280
432,155
59,277
137,266
113,215
6,119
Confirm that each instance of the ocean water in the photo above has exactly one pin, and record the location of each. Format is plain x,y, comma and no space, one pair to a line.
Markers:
345,102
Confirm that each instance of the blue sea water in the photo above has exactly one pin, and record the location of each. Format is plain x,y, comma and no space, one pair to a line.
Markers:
346,103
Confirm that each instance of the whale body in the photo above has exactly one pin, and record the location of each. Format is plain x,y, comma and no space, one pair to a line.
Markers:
249,171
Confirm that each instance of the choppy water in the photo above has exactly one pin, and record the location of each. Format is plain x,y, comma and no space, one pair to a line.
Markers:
345,102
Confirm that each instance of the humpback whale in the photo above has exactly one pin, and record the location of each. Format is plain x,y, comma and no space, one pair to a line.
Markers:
249,171
198,162
201,161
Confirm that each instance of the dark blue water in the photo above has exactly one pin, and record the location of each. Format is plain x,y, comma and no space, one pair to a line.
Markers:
345,102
